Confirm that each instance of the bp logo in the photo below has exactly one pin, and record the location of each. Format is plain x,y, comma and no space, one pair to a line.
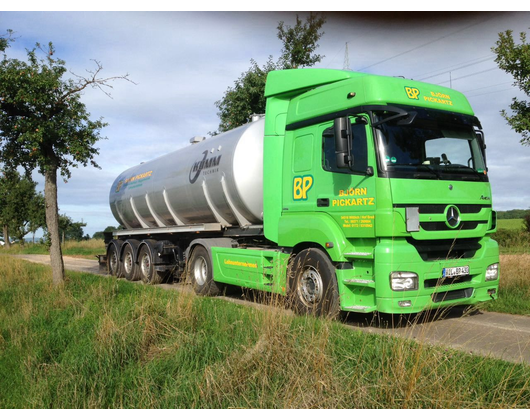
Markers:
412,93
301,186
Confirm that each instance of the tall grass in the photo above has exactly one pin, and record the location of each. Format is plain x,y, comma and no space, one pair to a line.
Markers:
99,342
514,288
83,249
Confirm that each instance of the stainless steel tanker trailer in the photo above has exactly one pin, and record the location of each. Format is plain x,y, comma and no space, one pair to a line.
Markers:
211,189
355,192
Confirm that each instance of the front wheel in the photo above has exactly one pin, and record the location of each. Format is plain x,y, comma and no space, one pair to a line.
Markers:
200,273
313,287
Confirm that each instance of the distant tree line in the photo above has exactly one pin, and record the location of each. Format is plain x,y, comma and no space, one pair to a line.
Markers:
513,214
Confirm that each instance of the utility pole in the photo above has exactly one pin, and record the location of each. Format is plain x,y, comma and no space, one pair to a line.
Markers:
346,65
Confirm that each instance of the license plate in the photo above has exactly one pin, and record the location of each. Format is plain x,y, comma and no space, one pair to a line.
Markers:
455,271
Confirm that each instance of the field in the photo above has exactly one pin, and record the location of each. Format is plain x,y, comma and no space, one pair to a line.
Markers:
100,342
512,224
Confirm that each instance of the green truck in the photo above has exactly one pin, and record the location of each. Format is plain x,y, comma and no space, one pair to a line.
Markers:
354,192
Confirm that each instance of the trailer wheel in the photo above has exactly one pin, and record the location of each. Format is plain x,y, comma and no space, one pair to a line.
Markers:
148,274
128,267
313,288
113,260
200,273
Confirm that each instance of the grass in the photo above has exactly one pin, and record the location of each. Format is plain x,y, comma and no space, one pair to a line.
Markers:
511,224
99,342
104,343
82,249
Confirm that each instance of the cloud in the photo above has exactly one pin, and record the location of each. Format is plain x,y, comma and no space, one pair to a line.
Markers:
182,62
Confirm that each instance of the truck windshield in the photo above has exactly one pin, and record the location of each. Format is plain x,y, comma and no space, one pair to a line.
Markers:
429,144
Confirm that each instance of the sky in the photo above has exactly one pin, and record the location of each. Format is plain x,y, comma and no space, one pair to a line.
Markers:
182,62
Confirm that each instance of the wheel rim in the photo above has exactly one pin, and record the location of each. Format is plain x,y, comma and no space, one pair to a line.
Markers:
200,271
128,262
145,266
113,261
310,286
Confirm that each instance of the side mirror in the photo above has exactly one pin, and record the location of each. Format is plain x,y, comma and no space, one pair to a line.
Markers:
481,142
343,140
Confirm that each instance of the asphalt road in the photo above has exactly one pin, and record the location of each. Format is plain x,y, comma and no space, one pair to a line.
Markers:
496,335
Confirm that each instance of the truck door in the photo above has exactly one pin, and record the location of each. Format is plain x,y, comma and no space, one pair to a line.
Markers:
318,184
350,191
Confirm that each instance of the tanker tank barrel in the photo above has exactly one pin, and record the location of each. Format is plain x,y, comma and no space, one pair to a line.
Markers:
214,180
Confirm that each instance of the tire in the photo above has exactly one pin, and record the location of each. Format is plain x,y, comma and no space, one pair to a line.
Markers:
113,261
129,268
148,274
200,273
313,288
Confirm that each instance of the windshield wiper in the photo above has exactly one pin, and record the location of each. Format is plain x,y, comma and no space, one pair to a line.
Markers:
462,169
431,174
426,171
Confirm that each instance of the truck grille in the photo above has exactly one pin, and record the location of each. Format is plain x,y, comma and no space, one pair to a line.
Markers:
446,249
430,283
452,295
439,209
440,226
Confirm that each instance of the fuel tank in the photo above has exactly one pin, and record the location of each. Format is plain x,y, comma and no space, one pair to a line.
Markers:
218,180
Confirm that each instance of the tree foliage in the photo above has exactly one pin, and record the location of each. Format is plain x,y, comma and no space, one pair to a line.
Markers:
514,59
44,125
101,234
247,96
300,42
21,206
70,230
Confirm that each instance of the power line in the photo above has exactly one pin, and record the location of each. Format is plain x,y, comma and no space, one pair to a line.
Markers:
466,76
425,44
452,68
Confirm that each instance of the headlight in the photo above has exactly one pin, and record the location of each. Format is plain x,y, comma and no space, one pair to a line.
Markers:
403,280
492,272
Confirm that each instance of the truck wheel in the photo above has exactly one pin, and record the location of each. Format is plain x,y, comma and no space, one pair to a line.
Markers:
313,286
148,274
200,273
128,266
113,259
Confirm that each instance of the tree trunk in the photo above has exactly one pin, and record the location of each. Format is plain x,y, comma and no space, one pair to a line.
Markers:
6,237
52,223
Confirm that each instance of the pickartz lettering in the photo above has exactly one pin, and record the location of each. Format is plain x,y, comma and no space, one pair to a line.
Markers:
359,200
439,98
133,180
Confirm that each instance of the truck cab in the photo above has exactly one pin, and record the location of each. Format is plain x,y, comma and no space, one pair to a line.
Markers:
388,178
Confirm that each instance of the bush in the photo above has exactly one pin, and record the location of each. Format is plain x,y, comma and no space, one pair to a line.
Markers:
511,239
527,223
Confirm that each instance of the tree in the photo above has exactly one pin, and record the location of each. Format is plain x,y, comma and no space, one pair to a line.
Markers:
247,96
70,230
36,215
300,42
44,125
514,59
21,207
101,235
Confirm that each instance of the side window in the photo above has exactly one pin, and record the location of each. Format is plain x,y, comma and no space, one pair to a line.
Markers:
359,150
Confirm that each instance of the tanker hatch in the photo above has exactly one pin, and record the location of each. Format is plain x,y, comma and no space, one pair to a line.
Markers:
197,139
